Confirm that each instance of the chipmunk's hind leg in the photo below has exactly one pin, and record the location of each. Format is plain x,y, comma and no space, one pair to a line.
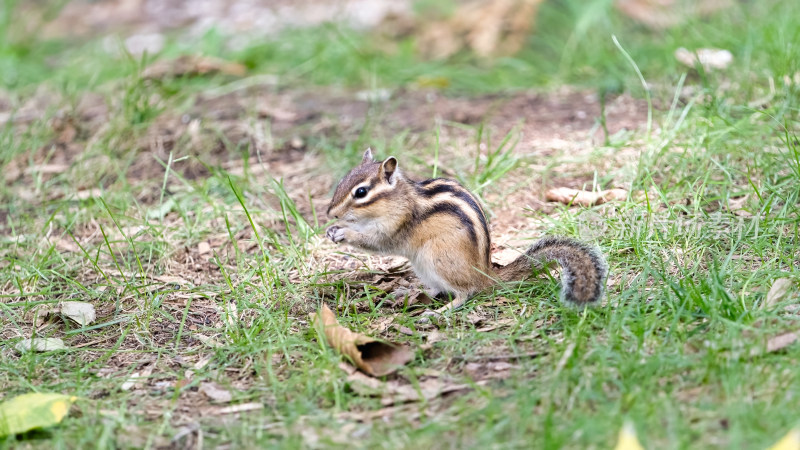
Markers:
441,313
459,301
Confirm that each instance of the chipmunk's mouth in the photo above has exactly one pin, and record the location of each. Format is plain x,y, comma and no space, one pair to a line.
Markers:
348,218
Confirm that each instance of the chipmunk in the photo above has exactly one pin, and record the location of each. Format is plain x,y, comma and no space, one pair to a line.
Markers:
441,228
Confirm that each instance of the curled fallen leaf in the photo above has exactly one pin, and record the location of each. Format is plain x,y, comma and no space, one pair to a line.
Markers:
373,357
584,198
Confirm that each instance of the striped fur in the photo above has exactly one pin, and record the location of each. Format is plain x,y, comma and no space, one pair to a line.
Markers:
441,228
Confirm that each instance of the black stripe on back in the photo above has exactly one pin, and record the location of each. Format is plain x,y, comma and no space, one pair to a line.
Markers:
461,193
454,210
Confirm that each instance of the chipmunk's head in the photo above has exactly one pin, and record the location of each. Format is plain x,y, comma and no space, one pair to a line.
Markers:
366,191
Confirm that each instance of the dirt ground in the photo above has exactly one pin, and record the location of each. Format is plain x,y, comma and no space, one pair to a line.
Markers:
280,127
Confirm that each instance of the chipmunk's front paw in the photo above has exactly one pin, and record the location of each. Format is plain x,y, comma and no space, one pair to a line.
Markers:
335,233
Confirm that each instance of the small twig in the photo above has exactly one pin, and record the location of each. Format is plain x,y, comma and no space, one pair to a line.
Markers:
503,357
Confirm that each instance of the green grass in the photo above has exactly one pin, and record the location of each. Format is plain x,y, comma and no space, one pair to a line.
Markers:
670,352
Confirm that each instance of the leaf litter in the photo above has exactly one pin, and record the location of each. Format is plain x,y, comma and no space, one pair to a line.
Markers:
40,345
83,313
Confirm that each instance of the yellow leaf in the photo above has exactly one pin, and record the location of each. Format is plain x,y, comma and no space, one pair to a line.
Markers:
36,410
627,438
789,442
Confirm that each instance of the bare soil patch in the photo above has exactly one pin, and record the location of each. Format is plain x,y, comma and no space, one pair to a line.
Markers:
266,133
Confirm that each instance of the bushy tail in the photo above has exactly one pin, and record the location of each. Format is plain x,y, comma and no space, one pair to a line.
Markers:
584,269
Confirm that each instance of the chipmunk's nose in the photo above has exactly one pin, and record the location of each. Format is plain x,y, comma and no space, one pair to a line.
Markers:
335,217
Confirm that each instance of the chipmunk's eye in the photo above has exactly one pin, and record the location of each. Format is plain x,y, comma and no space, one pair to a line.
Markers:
360,192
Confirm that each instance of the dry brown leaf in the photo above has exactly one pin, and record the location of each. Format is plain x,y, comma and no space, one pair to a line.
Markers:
778,293
571,196
192,65
39,345
395,392
170,279
67,245
425,390
374,357
407,297
82,313
215,392
776,343
203,248
496,370
382,324
275,112
403,330
782,341
505,256
434,337
736,206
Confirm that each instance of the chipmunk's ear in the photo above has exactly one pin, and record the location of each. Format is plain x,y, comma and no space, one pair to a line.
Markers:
367,157
389,170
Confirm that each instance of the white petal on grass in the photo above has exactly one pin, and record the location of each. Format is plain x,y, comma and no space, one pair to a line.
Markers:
40,345
82,313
